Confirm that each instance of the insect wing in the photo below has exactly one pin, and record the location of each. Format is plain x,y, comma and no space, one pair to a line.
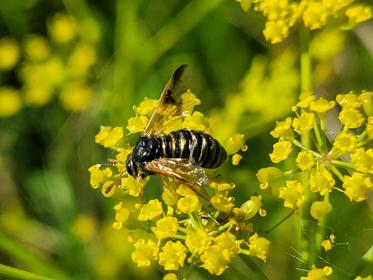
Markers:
182,170
169,104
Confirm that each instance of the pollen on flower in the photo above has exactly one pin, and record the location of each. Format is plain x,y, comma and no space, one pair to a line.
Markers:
165,227
345,142
236,158
259,247
134,186
315,15
357,186
173,255
304,123
108,136
305,160
145,252
189,204
292,194
283,129
281,151
150,210
222,203
276,31
362,160
197,241
351,118
359,13
321,181
327,245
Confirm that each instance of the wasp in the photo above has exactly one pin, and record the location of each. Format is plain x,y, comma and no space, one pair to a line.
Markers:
182,154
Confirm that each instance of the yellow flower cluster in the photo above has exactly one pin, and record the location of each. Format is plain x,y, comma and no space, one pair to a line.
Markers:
60,64
183,226
325,160
282,15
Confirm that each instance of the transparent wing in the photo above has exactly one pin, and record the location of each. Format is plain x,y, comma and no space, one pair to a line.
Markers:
170,103
182,170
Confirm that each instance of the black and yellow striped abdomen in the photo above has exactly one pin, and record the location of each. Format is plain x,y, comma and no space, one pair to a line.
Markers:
205,150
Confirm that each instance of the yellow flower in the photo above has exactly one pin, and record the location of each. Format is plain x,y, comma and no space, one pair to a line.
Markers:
173,255
349,100
10,102
236,158
281,151
197,121
315,15
362,160
165,227
228,243
183,190
345,142
97,175
319,209
358,13
189,101
197,241
38,95
259,247
137,124
306,98
62,28
108,188
134,186
318,273
321,181
121,215
270,177
169,196
273,9
75,96
235,143
327,245
81,59
283,130
370,127
351,118
150,210
321,105
336,5
189,204
250,208
170,276
276,31
36,47
368,277
145,252
108,136
305,160
215,260
366,98
146,107
357,186
221,203
292,194
9,54
222,186
304,123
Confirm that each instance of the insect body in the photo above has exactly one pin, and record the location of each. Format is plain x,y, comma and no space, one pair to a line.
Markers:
182,154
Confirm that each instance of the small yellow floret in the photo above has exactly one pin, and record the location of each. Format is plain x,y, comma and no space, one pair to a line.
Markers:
150,210
10,102
259,247
165,227
236,158
345,142
292,194
145,252
358,14
9,54
319,209
276,31
351,118
357,186
173,255
305,160
62,28
222,203
321,181
318,273
189,204
281,151
315,15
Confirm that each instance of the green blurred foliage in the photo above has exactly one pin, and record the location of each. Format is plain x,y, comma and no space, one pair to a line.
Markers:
53,224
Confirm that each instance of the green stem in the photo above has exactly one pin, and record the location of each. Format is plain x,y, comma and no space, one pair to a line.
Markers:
343,163
307,243
253,266
220,229
20,254
304,147
16,273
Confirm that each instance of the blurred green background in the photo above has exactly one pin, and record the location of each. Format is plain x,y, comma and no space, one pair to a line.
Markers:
67,67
